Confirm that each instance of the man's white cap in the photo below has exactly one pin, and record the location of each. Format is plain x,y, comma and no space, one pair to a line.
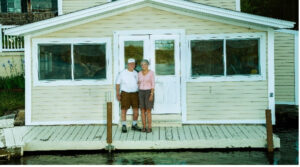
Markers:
131,60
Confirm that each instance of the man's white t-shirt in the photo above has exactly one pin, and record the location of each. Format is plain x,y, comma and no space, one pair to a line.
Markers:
128,81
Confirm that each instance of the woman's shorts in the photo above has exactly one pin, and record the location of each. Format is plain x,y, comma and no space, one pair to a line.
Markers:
144,102
129,99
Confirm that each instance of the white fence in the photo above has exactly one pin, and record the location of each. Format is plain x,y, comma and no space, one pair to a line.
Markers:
10,43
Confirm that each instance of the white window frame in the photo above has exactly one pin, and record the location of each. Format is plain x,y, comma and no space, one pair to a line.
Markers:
224,37
72,41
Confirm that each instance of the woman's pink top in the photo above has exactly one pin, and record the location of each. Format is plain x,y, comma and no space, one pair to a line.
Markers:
146,82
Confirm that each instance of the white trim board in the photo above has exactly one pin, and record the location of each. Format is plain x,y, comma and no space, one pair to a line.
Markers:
225,122
285,102
238,5
27,40
192,7
287,31
84,122
59,7
71,41
271,74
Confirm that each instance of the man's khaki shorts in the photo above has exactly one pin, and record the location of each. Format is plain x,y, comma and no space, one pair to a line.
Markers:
129,100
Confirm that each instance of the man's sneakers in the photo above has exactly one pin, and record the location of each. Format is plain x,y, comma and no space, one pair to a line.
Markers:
135,127
124,129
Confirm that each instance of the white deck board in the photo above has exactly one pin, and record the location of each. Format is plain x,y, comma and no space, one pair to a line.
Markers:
219,132
233,132
58,129
87,133
175,134
62,133
162,133
155,131
206,132
181,133
68,133
130,135
243,129
136,136
89,137
74,133
143,136
169,133
9,137
124,135
103,137
194,132
239,132
99,133
37,131
225,131
187,132
93,133
256,131
80,133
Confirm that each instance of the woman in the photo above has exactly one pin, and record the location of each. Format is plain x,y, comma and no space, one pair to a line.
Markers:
146,94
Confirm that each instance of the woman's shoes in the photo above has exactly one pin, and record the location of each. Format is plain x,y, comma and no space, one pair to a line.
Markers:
148,130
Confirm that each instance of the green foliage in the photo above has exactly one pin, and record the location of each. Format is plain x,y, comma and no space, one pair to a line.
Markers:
15,79
279,9
11,101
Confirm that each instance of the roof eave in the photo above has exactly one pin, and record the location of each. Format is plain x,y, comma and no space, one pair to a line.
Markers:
214,11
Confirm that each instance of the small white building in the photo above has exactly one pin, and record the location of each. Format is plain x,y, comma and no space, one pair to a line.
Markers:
212,65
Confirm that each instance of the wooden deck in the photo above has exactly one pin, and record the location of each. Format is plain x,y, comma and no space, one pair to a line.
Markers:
93,137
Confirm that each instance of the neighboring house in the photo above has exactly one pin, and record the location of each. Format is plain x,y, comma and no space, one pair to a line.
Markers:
20,12
212,65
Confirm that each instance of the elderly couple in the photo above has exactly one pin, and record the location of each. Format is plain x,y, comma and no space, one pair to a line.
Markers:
137,91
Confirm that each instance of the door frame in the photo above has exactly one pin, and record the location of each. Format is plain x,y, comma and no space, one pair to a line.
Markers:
182,57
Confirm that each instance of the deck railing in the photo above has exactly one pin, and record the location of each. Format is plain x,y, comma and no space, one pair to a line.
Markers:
10,43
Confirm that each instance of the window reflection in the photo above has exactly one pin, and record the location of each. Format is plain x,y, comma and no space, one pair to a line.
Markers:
242,57
207,57
164,57
89,61
54,62
134,49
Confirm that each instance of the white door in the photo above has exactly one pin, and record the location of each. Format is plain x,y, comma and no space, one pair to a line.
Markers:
162,51
164,60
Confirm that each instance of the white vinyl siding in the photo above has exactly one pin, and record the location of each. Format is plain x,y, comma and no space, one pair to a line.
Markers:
284,67
69,6
227,4
58,107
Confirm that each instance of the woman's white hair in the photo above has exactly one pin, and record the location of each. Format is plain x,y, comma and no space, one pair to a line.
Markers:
145,61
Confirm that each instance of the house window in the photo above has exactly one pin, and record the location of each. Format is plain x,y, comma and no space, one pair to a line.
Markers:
89,61
242,57
72,61
229,57
11,6
44,5
207,57
54,62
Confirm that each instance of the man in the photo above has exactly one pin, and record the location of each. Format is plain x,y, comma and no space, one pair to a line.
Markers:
127,82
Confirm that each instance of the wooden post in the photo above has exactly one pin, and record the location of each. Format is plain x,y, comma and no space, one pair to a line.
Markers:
109,123
269,130
29,9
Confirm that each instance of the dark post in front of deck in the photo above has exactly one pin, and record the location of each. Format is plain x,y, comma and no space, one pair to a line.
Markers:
109,147
109,123
269,131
